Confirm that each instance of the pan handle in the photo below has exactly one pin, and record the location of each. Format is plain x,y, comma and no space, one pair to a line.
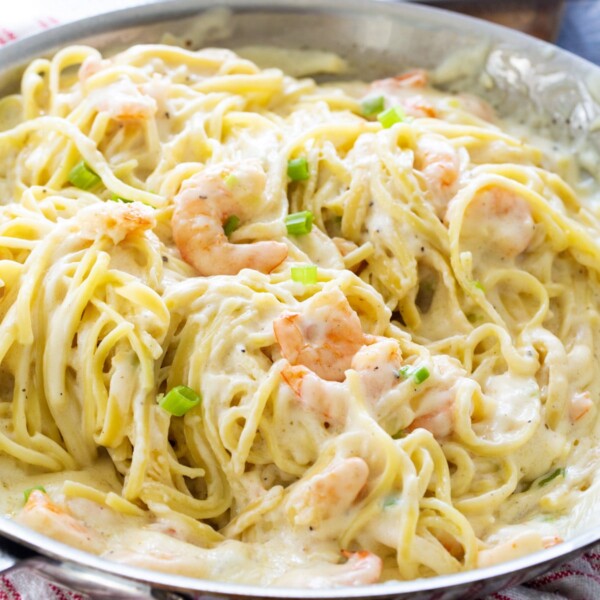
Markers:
26,570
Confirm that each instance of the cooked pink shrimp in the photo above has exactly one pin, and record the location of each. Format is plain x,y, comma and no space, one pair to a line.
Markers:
526,542
478,107
115,220
437,159
401,90
328,399
501,220
123,101
377,365
436,403
435,413
41,514
92,65
415,78
361,568
324,337
580,405
329,493
202,206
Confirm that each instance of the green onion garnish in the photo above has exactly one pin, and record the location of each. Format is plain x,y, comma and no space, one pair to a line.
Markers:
400,434
390,501
421,374
479,285
306,275
116,198
372,106
27,492
297,169
405,372
83,177
230,180
179,400
556,473
299,223
231,224
391,116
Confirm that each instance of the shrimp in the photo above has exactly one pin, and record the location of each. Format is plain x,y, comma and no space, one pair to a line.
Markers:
328,399
41,514
435,414
580,405
329,493
361,568
416,78
526,542
90,66
377,365
500,220
439,163
123,101
324,337
204,203
115,220
401,89
436,404
477,107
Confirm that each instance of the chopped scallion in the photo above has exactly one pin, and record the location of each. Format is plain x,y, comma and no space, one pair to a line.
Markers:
418,374
231,224
556,473
299,223
230,180
478,285
27,492
405,372
421,374
305,274
390,501
297,169
83,177
391,116
372,106
180,400
116,198
400,434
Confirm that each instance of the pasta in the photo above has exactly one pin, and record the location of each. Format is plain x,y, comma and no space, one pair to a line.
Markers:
261,330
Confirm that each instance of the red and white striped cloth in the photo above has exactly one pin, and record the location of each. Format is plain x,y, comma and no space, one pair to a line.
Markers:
578,579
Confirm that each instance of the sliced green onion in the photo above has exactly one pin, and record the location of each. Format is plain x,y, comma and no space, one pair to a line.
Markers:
400,434
27,492
179,400
299,223
372,106
390,501
231,224
230,180
421,374
116,198
405,372
556,473
391,116
297,169
479,285
83,177
306,275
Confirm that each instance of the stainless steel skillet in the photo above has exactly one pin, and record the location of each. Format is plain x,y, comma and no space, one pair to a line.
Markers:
523,77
